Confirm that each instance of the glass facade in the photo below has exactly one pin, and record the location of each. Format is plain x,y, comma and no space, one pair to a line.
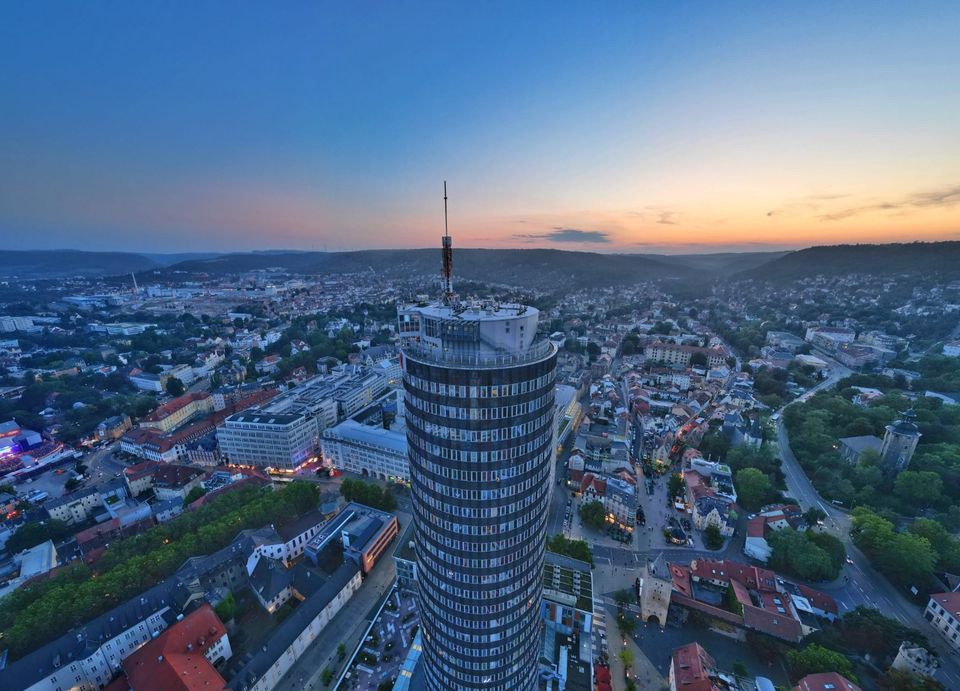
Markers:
481,444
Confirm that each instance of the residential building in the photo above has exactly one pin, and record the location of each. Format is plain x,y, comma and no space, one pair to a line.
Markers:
674,354
172,481
943,613
692,669
182,658
916,659
145,381
853,448
829,337
481,432
714,511
765,602
88,657
113,427
826,681
75,507
772,518
167,480
269,663
177,412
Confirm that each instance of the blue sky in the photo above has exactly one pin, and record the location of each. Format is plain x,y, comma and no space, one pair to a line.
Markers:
637,126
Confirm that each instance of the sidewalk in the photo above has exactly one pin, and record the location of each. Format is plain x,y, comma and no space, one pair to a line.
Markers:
607,581
348,627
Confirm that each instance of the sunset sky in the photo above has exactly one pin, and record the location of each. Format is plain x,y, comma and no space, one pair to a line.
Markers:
608,126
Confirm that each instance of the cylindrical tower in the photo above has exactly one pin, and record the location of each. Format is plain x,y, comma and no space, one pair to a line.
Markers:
480,405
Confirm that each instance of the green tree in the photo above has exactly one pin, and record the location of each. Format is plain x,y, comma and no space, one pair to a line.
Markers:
175,387
32,534
944,544
627,658
907,559
797,554
754,489
712,537
227,608
699,359
676,486
815,658
341,651
918,488
592,514
813,515
904,680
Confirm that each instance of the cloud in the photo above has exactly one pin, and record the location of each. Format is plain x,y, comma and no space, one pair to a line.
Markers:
947,196
567,235
666,218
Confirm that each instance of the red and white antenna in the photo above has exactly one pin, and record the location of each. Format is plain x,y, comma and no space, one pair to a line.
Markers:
446,273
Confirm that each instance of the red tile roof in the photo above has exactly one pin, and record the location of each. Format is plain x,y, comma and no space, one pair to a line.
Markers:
691,665
824,681
756,526
175,661
949,601
170,407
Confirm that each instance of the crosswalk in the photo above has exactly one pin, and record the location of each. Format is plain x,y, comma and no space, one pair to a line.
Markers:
599,632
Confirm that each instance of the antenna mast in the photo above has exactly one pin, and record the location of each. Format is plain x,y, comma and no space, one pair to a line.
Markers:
446,273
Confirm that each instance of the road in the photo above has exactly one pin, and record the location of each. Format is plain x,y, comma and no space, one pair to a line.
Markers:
859,584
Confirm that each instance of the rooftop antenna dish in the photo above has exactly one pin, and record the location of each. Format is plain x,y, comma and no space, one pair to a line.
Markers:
446,274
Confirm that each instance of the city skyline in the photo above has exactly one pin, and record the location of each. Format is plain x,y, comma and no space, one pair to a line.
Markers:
642,129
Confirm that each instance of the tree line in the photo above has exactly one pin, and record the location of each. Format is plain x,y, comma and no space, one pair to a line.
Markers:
36,614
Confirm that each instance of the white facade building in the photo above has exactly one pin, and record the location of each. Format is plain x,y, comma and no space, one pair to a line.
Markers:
943,613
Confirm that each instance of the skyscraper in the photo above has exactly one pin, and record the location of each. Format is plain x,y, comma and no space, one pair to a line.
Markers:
480,432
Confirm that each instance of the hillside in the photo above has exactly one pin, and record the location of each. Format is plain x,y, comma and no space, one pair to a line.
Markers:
65,263
534,268
33,264
929,258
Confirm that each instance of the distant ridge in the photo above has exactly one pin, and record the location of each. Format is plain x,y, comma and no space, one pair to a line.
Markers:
928,258
35,264
66,263
542,269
